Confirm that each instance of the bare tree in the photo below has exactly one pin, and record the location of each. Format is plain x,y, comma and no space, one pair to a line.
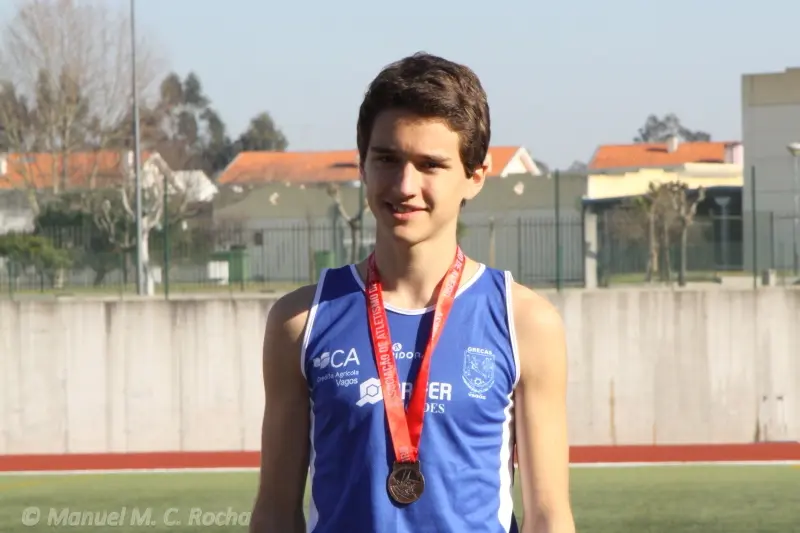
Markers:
656,203
685,211
158,181
66,86
652,219
354,222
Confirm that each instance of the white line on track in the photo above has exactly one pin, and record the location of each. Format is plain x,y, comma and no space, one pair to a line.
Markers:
255,469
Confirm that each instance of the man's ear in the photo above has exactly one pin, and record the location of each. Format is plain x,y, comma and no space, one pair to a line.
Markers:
362,175
476,181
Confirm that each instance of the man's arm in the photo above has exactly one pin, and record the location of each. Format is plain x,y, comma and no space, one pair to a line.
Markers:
541,415
285,430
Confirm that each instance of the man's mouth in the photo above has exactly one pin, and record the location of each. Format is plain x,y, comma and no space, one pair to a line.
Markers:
403,209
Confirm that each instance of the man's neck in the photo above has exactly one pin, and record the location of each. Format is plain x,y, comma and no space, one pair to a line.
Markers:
410,274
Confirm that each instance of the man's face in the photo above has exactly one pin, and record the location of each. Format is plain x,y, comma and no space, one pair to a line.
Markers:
414,176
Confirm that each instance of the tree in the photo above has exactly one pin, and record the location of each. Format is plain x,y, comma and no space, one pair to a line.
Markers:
648,219
667,211
32,251
92,226
685,210
65,68
262,135
166,199
578,166
659,130
354,222
182,126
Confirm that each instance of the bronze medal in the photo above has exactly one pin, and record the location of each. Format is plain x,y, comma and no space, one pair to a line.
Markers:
406,483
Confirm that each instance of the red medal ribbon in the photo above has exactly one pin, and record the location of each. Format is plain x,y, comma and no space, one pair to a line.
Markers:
406,427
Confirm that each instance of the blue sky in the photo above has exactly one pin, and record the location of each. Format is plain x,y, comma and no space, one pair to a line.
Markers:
561,77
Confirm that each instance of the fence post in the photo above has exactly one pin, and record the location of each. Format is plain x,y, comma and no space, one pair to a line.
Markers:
165,270
557,188
519,249
772,262
492,253
754,224
11,279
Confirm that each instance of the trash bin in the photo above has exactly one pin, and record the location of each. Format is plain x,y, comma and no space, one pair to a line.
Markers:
323,259
237,263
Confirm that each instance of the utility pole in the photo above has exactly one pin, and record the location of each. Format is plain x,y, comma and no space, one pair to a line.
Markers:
140,281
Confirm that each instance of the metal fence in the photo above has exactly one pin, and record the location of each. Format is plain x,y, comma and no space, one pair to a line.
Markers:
540,250
714,247
711,246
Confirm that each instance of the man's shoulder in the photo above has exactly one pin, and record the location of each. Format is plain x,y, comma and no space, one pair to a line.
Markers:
539,332
533,310
292,308
290,311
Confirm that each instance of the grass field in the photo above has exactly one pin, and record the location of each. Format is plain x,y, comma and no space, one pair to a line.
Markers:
668,499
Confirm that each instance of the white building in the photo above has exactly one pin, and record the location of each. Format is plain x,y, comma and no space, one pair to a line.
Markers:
770,124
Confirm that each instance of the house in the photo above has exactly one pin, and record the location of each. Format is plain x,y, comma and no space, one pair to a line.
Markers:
29,181
277,207
49,174
341,166
614,158
622,172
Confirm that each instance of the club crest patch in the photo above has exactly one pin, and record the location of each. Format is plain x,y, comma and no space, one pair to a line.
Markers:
478,371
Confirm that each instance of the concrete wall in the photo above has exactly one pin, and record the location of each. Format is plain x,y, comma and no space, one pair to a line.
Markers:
645,367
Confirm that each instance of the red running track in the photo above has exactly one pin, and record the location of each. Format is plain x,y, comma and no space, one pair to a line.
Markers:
693,453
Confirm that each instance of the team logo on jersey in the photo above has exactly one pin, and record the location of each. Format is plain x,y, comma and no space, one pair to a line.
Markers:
438,394
397,349
370,392
337,366
336,359
478,372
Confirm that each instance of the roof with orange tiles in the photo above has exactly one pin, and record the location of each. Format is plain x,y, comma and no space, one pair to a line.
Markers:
77,169
657,155
323,167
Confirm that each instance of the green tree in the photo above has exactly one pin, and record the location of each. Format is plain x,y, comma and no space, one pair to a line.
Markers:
262,135
658,130
92,228
33,251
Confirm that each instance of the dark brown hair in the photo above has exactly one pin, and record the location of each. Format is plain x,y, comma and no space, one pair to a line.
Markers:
431,87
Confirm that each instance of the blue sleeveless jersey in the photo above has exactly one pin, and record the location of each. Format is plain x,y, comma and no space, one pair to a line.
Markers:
467,437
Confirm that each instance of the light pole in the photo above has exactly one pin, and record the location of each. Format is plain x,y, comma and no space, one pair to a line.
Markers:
794,149
140,281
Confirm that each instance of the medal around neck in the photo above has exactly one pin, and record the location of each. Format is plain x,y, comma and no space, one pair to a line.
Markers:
406,483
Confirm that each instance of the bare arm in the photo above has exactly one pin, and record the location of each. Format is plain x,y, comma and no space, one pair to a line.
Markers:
285,430
541,415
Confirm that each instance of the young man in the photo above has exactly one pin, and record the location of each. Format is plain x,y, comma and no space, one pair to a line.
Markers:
400,385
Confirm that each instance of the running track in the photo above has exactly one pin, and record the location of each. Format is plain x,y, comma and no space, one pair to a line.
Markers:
580,455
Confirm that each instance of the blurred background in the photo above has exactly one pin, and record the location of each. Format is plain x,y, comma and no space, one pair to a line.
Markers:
169,167
625,148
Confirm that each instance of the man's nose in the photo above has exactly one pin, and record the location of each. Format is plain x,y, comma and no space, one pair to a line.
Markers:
408,179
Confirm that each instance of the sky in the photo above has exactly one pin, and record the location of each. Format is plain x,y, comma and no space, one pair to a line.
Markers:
562,77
